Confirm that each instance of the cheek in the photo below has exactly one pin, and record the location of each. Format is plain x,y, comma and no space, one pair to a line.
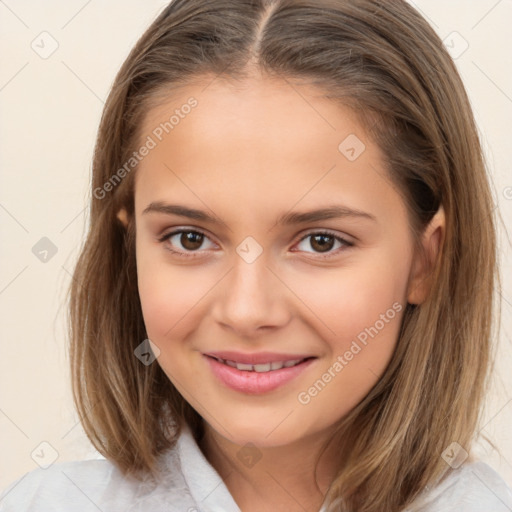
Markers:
168,303
167,293
362,306
349,301
365,314
174,297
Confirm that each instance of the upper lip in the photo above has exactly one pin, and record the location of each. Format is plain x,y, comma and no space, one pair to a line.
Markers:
257,357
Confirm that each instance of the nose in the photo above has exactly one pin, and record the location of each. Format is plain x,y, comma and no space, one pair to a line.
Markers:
252,299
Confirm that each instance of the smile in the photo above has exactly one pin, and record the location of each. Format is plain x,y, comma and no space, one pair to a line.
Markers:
258,373
260,368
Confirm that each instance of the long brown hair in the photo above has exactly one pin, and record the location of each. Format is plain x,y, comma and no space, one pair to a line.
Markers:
382,59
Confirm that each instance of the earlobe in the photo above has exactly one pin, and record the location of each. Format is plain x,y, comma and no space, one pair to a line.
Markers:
420,279
122,215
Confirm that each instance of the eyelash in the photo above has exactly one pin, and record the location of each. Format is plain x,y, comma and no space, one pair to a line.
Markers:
192,254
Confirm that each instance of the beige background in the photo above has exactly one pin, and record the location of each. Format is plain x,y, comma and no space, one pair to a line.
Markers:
50,112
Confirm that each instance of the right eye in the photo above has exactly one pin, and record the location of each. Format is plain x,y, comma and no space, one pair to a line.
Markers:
189,239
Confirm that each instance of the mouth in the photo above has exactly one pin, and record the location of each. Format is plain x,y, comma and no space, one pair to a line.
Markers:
257,374
261,367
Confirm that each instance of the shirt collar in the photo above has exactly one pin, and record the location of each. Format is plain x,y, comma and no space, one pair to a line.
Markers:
205,484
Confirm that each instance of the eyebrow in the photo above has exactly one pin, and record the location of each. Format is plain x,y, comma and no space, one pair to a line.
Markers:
290,218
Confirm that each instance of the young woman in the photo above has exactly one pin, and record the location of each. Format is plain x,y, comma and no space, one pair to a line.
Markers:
285,298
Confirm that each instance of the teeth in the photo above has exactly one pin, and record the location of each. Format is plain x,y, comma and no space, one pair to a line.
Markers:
247,367
261,368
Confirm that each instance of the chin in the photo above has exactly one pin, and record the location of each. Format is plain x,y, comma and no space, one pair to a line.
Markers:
242,431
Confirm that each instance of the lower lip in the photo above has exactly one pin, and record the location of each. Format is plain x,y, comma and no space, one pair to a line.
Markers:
255,383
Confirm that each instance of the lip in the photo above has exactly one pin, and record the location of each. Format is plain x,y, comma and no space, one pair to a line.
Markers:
256,383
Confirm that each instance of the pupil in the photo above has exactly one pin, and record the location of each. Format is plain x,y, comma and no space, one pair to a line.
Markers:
320,240
191,240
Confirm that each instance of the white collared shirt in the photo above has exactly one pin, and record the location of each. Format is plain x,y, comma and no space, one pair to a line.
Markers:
189,483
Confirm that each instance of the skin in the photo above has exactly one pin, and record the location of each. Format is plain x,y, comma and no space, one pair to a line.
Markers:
247,155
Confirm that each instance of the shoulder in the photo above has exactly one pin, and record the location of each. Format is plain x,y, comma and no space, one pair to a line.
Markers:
89,486
473,487
62,486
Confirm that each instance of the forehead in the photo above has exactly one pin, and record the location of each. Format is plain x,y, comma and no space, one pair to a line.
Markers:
274,111
261,143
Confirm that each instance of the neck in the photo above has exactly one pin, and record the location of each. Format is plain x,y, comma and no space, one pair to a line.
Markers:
294,477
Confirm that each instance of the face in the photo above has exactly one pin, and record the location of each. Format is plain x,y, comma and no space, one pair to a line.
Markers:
272,321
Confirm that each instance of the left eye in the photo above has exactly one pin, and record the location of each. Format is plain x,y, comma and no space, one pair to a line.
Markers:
324,242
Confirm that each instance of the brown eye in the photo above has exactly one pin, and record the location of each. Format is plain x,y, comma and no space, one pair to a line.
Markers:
322,242
191,240
186,242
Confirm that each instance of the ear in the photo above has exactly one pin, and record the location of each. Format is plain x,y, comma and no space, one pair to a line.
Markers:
122,215
422,268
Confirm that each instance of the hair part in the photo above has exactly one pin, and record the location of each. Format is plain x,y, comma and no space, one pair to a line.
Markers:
384,61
